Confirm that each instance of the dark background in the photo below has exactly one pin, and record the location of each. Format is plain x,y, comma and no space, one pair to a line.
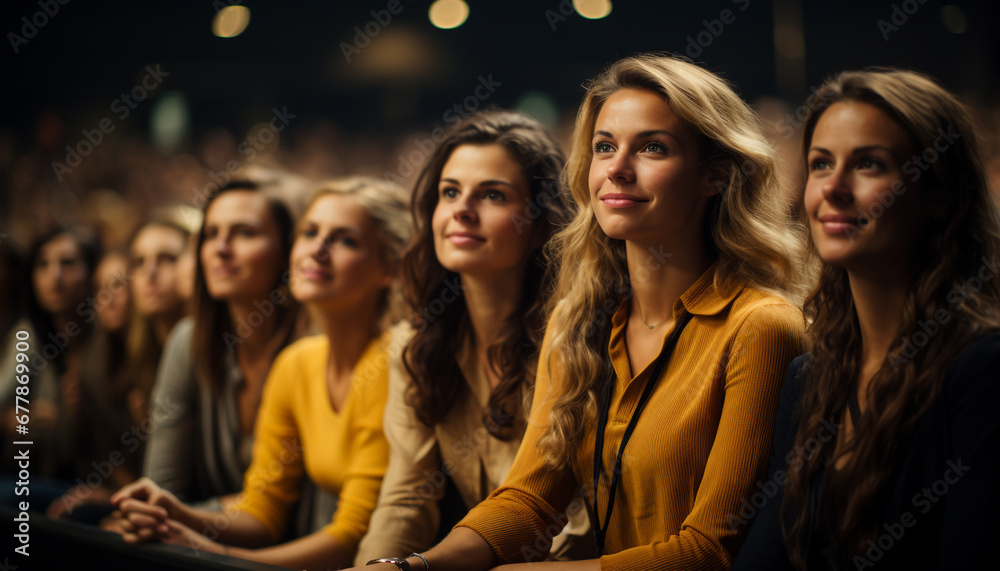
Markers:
66,77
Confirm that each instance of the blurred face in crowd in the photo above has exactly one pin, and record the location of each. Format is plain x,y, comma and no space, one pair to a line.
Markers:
154,254
337,258
241,248
111,281
60,275
481,193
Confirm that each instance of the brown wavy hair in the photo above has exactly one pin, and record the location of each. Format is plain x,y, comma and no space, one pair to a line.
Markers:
749,229
962,232
430,356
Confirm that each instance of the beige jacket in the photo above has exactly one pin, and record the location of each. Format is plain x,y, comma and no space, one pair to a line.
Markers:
406,519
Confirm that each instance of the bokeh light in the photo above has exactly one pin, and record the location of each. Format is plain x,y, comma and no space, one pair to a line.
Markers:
592,9
448,14
231,21
953,19
170,121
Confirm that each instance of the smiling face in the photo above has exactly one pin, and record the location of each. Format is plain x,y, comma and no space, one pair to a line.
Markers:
154,254
645,180
337,257
481,193
241,252
863,213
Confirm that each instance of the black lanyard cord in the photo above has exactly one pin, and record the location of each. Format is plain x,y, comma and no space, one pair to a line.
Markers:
604,406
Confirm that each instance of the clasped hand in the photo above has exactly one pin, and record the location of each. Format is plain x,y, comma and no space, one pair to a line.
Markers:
147,512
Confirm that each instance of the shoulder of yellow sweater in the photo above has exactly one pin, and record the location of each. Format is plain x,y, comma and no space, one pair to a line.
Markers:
761,306
752,298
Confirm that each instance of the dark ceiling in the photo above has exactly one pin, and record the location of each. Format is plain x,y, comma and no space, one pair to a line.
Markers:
292,54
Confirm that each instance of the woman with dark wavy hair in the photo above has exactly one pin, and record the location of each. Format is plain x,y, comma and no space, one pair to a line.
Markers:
485,205
681,241
887,431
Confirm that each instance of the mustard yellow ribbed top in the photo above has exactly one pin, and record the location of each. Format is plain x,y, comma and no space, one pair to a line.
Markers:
699,447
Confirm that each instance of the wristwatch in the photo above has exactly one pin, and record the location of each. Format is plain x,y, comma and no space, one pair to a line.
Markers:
398,562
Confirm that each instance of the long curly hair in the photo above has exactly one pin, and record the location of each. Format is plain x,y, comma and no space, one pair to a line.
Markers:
430,356
749,228
961,235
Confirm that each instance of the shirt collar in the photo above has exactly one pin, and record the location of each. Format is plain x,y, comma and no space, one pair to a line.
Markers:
701,298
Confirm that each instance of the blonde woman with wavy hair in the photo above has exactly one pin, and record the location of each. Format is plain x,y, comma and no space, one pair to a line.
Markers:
669,340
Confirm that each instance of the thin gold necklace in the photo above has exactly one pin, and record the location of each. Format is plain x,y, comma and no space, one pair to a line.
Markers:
646,323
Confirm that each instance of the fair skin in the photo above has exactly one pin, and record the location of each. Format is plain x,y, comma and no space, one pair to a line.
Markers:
481,189
648,190
111,284
241,255
154,254
856,159
337,267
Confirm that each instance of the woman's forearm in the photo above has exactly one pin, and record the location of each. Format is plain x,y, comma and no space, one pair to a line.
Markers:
318,550
229,526
462,550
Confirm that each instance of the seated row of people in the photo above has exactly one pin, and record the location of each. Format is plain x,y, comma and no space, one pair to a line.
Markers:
667,274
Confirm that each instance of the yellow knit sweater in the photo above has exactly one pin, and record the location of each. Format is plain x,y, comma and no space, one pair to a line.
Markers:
344,452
